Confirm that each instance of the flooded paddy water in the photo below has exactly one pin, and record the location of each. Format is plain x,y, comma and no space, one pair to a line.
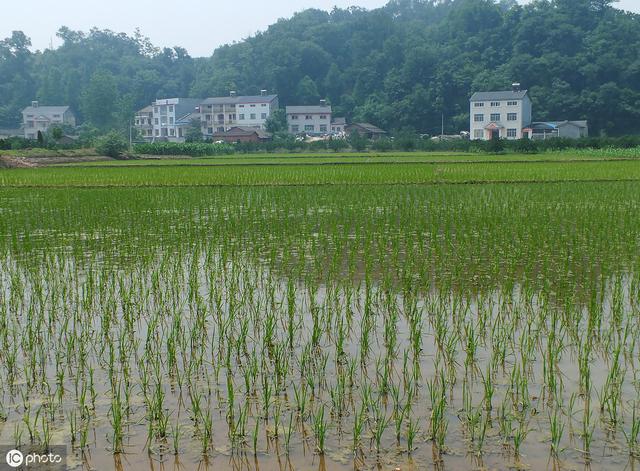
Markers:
322,328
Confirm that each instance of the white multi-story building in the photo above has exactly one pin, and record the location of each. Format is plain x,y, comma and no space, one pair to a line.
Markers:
309,119
168,118
501,114
219,114
40,118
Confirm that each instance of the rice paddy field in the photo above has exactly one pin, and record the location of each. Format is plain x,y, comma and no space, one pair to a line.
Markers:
408,316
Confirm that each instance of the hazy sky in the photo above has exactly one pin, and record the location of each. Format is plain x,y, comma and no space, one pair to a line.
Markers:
197,25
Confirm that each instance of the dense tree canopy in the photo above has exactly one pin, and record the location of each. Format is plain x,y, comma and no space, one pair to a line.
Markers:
400,67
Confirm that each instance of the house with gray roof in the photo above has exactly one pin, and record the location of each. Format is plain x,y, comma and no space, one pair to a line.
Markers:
37,118
309,119
500,114
549,129
219,114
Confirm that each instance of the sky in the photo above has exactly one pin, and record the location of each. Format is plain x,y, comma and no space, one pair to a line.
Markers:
197,25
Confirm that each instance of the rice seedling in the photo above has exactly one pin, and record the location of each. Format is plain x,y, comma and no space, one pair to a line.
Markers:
193,321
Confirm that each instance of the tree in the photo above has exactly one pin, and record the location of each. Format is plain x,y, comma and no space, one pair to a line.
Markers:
357,141
277,122
98,101
307,91
112,145
194,133
56,133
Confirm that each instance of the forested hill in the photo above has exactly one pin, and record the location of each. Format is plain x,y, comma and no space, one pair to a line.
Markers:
399,66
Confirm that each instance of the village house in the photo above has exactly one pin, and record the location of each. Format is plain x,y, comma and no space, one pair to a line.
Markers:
36,118
143,122
550,129
219,114
242,134
366,130
169,123
508,115
338,125
502,114
310,119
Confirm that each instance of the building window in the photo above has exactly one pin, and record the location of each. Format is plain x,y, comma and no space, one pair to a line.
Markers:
241,106
512,116
220,130
264,105
479,104
323,128
264,115
253,106
294,116
308,117
309,127
295,128
170,119
253,116
156,109
172,132
495,117
322,116
171,108
478,118
157,121
157,132
241,117
477,133
209,130
512,132
495,103
512,103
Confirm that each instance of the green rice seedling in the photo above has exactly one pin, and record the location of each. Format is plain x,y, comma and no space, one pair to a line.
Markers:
633,434
320,429
288,434
358,427
520,434
412,432
556,427
176,432
254,437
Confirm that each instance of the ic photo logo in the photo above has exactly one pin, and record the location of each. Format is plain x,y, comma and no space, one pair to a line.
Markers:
15,458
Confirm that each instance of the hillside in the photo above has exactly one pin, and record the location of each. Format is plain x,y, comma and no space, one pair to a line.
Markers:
399,67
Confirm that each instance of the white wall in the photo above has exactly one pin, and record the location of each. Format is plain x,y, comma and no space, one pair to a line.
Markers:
316,121
523,118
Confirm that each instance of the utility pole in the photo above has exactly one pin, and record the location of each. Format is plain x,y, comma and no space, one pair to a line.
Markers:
442,128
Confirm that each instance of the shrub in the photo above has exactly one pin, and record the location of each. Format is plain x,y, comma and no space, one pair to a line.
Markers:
112,145
382,145
193,149
357,141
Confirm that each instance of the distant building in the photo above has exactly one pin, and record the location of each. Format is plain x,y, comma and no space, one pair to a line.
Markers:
143,122
338,125
365,129
242,134
550,129
168,118
309,119
219,114
40,118
502,114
